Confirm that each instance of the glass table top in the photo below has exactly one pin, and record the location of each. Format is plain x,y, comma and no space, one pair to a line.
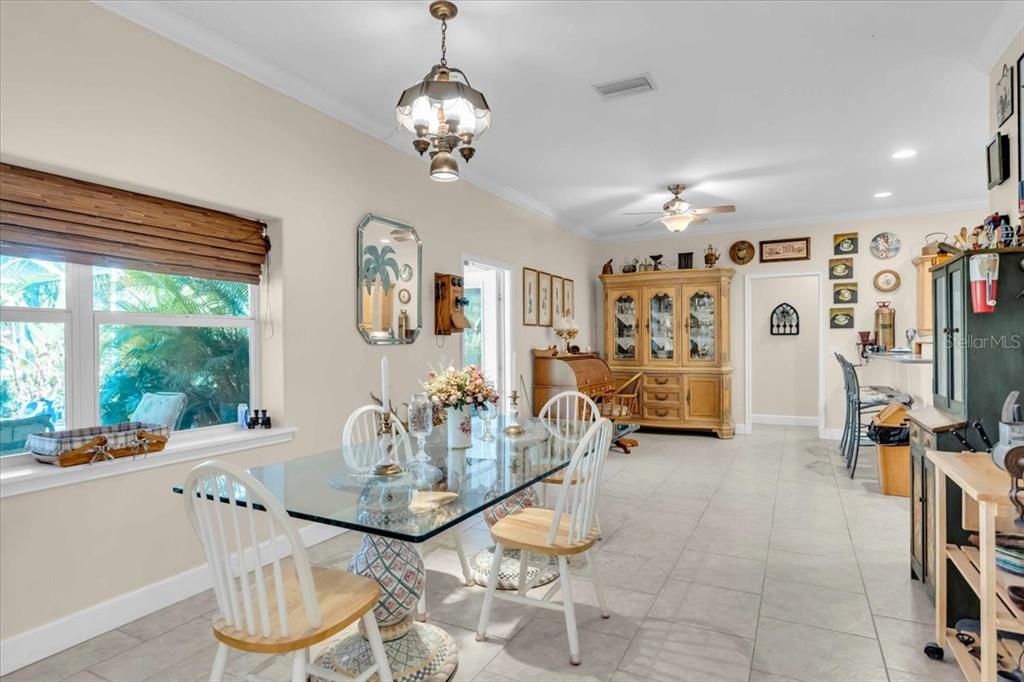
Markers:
338,487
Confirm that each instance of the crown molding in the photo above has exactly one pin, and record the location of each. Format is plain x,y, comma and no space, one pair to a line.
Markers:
164,21
649,234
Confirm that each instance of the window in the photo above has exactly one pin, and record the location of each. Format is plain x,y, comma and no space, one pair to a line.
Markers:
81,345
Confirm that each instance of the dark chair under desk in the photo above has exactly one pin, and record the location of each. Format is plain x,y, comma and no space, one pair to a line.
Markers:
861,402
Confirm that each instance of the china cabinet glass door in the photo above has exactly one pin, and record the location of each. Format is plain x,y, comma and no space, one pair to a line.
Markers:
624,311
957,316
660,311
701,323
940,383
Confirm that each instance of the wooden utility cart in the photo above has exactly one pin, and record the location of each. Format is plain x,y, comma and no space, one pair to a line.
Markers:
986,508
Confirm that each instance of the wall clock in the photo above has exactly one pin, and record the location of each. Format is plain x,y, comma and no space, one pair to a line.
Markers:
887,280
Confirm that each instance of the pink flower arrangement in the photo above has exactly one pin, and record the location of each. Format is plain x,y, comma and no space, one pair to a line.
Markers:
459,387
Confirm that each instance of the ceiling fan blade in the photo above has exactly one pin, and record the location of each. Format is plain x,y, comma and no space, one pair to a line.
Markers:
697,219
643,213
649,221
714,209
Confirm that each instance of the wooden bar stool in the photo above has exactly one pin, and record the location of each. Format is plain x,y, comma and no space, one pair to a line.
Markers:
284,607
567,530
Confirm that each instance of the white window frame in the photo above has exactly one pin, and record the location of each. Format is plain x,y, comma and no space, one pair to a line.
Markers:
81,343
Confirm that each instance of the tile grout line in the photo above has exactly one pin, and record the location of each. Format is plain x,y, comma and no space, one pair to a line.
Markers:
764,576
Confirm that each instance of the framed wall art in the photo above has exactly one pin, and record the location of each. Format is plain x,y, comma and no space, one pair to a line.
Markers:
1020,138
1004,95
840,268
780,250
569,299
529,297
844,292
544,318
557,298
785,321
840,318
845,244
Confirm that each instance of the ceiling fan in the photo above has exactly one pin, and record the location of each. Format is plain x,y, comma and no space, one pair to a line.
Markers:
677,213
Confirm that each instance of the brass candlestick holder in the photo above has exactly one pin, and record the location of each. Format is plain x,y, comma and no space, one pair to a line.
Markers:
514,428
387,466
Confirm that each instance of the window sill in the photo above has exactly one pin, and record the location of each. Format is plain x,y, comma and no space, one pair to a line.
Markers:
20,474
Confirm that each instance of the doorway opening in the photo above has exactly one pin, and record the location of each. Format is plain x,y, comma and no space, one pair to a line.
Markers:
487,342
784,375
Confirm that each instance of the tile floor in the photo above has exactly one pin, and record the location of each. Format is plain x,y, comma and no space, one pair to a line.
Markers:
750,559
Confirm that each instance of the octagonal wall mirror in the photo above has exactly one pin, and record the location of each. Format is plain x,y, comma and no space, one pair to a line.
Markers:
388,296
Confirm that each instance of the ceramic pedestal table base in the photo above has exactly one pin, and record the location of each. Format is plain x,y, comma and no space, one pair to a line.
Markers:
417,652
508,575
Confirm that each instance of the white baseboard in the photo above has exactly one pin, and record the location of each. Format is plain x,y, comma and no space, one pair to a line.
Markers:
783,420
36,644
833,434
742,429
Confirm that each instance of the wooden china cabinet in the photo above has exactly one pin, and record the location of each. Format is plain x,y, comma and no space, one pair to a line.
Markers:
674,326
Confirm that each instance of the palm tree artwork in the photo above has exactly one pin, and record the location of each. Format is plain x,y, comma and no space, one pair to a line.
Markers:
380,273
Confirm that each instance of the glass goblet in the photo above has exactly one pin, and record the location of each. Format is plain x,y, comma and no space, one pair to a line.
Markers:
421,423
487,412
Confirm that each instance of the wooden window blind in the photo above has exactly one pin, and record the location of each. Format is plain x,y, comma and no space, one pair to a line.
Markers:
57,218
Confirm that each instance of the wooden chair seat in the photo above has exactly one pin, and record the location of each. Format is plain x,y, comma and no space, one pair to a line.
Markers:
528,529
343,599
558,477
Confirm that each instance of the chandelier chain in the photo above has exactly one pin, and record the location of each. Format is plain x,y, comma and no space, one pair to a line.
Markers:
444,42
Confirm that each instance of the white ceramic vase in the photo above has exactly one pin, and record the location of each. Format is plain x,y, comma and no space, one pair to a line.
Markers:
460,428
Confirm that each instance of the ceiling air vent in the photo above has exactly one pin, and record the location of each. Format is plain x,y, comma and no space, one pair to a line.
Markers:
634,85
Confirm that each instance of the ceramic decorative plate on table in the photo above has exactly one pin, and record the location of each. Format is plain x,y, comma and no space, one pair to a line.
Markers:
885,245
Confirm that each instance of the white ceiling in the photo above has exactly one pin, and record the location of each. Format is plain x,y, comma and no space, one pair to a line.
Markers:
789,110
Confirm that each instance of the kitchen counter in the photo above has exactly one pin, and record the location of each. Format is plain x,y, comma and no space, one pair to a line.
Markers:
904,358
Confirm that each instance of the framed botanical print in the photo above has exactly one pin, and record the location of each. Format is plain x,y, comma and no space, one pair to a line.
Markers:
529,297
544,299
568,299
778,250
556,298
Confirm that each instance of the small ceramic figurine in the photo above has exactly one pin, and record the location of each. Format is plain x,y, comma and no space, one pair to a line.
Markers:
711,256
657,261
607,269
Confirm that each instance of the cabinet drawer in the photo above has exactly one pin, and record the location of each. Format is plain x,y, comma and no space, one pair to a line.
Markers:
656,396
666,380
668,413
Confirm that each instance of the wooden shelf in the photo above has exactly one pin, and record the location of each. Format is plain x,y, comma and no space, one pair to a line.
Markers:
1009,617
969,665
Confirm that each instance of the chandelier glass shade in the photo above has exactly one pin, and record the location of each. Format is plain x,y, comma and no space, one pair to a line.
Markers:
443,110
677,222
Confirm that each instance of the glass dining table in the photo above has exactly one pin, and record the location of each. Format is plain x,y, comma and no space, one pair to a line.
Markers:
396,512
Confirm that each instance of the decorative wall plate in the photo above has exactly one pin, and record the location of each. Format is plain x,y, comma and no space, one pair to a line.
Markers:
404,296
741,252
885,245
887,280
405,273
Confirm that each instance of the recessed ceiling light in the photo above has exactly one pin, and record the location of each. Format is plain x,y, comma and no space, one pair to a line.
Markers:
882,195
904,154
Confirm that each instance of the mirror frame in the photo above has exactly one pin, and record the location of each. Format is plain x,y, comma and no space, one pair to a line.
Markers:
418,278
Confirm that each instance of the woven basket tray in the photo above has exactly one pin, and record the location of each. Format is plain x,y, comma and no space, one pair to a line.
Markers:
97,443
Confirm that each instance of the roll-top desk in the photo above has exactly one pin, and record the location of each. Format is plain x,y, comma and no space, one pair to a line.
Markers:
584,372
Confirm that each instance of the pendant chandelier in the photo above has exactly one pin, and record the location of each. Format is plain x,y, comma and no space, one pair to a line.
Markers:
443,111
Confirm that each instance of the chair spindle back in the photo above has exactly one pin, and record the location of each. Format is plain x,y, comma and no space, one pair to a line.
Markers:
581,484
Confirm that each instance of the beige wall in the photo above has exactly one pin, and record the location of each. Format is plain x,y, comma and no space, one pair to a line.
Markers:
911,230
784,369
86,93
1003,198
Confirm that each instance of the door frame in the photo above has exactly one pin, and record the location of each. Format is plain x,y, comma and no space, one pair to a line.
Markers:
748,351
506,329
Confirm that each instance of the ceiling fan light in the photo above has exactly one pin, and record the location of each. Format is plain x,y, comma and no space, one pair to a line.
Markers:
677,222
444,168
